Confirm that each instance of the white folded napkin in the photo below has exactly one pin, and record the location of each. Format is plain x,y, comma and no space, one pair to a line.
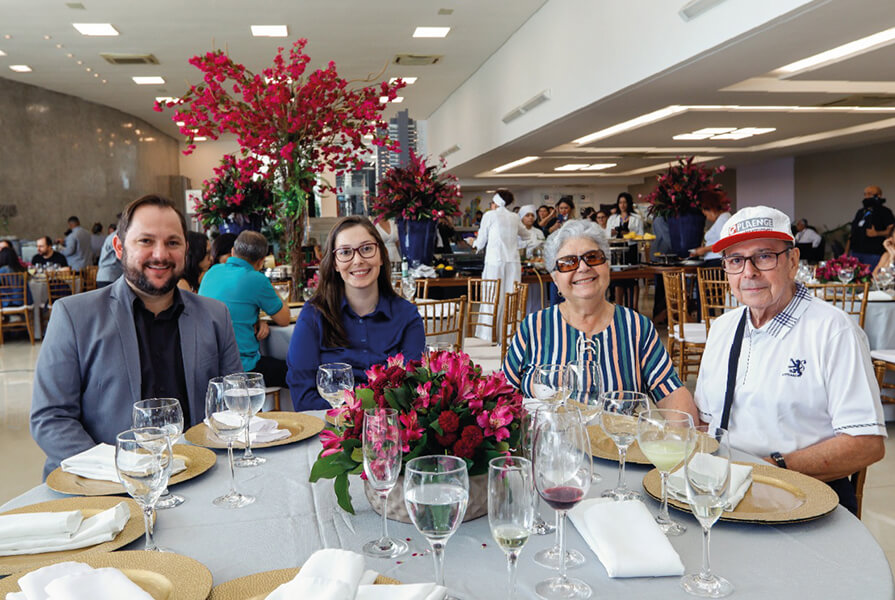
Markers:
39,525
740,480
94,530
626,538
329,574
261,430
99,463
32,584
409,591
98,584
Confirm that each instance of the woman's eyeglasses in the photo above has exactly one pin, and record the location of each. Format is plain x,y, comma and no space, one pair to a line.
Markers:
346,253
594,258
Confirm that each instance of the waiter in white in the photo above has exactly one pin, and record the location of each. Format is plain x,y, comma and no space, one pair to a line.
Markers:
499,236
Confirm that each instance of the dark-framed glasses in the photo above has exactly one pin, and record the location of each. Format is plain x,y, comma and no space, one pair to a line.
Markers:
594,258
763,261
346,253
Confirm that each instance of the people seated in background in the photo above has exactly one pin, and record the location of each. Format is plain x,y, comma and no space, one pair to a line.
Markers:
221,248
240,285
198,261
872,224
805,396
556,217
137,338
109,266
631,355
601,218
809,242
887,259
9,261
625,220
478,218
96,240
446,236
47,256
354,317
535,239
715,207
544,216
78,248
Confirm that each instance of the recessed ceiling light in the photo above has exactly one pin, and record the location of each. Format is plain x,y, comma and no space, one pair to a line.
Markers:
839,52
515,163
95,29
148,80
431,32
571,167
59,45
407,80
270,30
20,68
2,53
599,166
714,130
657,115
88,69
46,37
70,55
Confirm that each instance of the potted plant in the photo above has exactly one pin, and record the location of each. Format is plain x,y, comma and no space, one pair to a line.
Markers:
233,204
445,405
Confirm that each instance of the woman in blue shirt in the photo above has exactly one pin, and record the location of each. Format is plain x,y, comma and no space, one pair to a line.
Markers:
355,317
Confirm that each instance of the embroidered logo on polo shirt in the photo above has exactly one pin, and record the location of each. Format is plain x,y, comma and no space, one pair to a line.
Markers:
796,368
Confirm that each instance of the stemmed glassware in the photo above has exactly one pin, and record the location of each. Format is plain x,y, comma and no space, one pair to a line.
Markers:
707,472
333,380
845,274
255,387
619,421
526,440
551,383
663,435
884,278
382,466
510,509
586,387
143,460
227,408
562,473
436,490
167,415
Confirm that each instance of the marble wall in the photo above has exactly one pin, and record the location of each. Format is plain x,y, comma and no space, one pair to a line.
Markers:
62,156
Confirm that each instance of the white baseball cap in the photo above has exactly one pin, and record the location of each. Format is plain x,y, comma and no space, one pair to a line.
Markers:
754,223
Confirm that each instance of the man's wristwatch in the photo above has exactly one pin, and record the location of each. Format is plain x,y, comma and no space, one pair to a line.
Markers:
778,458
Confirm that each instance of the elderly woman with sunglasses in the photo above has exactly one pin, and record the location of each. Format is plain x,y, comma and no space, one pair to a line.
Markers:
626,344
354,317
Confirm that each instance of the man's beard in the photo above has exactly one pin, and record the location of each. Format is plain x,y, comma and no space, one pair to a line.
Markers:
139,280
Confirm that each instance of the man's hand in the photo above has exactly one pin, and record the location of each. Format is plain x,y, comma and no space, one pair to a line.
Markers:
262,330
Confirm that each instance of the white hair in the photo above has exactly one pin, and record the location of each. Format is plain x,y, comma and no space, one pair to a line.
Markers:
575,228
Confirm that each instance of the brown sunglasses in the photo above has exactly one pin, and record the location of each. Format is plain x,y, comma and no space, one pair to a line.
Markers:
594,258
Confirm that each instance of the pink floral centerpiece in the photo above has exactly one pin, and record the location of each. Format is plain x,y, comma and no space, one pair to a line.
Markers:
829,273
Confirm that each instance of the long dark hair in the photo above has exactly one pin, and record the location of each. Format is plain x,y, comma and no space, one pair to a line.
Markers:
221,246
196,251
331,289
9,258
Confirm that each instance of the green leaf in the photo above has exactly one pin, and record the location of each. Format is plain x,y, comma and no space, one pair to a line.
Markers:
420,446
366,398
341,488
434,425
326,467
357,455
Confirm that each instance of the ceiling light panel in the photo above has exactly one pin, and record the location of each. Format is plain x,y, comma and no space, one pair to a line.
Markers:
571,167
839,53
599,166
515,163
20,68
270,30
431,32
2,53
95,29
149,80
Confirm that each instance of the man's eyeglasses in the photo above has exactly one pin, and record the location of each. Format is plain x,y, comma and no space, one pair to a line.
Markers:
763,261
594,258
346,253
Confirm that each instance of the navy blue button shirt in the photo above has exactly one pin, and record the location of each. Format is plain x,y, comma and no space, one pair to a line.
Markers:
394,326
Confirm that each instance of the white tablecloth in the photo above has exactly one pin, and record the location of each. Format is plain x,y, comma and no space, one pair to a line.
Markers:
879,324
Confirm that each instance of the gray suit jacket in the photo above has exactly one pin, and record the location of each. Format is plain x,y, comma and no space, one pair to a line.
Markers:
78,248
87,376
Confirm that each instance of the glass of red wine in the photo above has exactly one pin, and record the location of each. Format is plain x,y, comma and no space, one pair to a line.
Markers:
562,473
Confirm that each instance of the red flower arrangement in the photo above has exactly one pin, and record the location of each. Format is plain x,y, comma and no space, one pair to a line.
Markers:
678,189
829,273
445,406
228,198
417,192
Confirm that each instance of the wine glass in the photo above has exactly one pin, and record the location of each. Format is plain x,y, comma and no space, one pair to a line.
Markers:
619,421
551,383
382,465
227,414
663,435
510,508
586,390
436,490
562,473
333,380
845,274
143,460
408,288
166,414
256,389
707,472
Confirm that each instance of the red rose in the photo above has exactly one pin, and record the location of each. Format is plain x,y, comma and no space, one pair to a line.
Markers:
473,434
464,448
449,421
395,376
447,440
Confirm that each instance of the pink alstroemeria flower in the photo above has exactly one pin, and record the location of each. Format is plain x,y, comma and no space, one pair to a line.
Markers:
412,430
423,398
332,442
395,361
494,422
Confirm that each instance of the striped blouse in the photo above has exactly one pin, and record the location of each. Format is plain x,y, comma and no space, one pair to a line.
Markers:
631,355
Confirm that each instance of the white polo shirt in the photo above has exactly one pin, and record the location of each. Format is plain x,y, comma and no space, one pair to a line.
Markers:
802,378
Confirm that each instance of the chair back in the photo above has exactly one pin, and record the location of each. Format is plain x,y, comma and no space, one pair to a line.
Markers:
675,302
521,290
509,321
714,294
14,289
60,284
850,297
88,277
422,287
483,296
444,317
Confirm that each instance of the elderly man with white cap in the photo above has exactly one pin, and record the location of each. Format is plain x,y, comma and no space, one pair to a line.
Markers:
788,375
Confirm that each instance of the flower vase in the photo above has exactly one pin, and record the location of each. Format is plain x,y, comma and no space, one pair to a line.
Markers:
236,224
686,232
476,507
417,239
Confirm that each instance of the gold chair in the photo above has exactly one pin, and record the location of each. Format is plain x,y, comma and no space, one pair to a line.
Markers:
714,294
521,290
59,285
857,480
14,303
883,362
88,278
686,341
509,321
483,296
850,297
422,288
444,317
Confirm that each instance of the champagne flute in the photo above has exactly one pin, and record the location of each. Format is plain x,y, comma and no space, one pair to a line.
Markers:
586,390
562,473
663,435
619,421
436,490
510,509
227,414
333,380
255,387
143,460
382,465
707,472
551,383
166,414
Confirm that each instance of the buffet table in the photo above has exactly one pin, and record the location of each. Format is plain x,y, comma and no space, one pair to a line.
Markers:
832,557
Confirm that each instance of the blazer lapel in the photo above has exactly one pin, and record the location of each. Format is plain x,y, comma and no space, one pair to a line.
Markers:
123,314
189,348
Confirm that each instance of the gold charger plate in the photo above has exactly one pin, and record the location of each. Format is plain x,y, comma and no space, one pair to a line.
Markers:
300,425
89,507
198,460
602,446
775,496
259,585
163,575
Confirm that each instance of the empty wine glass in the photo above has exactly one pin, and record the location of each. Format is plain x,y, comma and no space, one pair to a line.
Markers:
526,437
510,508
586,387
382,466
845,274
333,380
255,387
663,435
227,414
562,473
619,421
143,460
436,490
551,383
166,414
707,472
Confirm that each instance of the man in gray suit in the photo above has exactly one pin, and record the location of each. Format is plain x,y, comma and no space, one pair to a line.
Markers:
140,337
78,248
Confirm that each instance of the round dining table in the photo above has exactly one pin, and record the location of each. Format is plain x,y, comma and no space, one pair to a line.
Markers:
834,556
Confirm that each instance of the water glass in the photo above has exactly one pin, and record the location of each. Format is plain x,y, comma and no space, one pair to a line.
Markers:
436,490
526,438
619,421
408,288
143,460
227,414
845,274
333,380
255,387
663,435
551,383
511,509
382,466
166,414
586,389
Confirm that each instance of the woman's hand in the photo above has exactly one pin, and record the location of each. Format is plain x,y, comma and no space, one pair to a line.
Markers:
889,245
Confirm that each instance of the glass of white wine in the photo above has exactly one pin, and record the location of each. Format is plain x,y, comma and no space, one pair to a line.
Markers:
256,390
552,383
511,509
333,380
167,414
619,421
663,435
